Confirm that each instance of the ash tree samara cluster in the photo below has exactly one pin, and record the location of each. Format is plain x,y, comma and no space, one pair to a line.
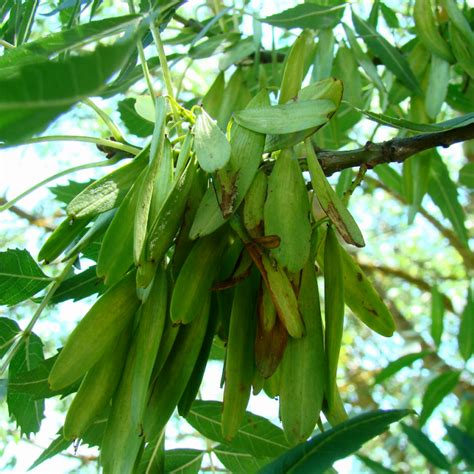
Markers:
210,231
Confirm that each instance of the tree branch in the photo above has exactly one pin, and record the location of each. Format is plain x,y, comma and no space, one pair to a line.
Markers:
398,273
432,361
395,150
464,252
32,219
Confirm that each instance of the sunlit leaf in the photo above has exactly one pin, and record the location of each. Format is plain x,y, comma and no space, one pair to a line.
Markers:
307,15
444,193
256,436
464,443
320,452
27,411
20,277
32,96
387,53
434,394
426,447
397,365
132,120
240,462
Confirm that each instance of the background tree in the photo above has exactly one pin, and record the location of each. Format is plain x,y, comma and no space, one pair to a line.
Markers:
222,123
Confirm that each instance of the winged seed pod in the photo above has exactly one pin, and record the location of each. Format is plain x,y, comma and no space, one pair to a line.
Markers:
96,389
116,250
333,310
173,378
328,89
283,297
107,192
330,201
295,70
62,237
359,293
195,278
303,368
96,333
239,363
210,144
254,204
246,156
286,212
428,32
145,191
122,437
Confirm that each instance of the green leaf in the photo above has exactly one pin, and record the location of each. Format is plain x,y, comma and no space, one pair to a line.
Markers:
389,16
238,51
390,178
397,365
464,443
321,451
9,330
416,174
459,21
239,462
27,411
79,286
426,447
404,124
443,192
466,175
57,446
34,382
132,120
437,389
210,144
256,436
55,43
307,15
287,118
32,96
183,461
20,277
375,466
363,59
387,53
324,55
466,328
437,315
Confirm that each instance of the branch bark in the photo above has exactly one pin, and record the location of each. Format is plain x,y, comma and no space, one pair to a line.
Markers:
395,150
37,221
464,252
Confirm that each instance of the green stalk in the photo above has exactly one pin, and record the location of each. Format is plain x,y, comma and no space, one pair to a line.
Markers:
6,44
13,201
165,69
133,150
26,333
141,54
111,125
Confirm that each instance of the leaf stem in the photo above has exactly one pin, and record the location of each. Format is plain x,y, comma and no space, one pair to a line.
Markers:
65,172
133,150
6,44
111,125
26,333
155,32
141,54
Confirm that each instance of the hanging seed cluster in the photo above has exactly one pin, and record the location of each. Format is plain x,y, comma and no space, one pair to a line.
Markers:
199,242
